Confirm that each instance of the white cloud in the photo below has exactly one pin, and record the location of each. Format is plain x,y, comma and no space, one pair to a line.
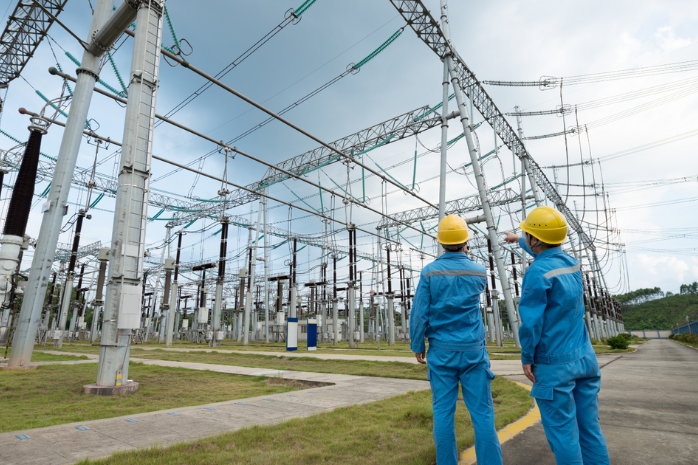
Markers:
668,41
666,272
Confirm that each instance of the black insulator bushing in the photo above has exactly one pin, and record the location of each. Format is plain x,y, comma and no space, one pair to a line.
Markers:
21,201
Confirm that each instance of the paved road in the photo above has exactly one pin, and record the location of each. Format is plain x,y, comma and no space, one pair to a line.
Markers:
648,410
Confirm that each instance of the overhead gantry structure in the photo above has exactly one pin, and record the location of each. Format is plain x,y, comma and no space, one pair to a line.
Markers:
127,258
26,28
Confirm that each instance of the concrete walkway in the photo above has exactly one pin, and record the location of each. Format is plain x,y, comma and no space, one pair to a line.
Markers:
648,407
499,367
69,443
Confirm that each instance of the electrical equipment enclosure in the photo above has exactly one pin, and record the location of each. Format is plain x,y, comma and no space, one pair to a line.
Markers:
292,334
202,317
129,307
185,324
312,334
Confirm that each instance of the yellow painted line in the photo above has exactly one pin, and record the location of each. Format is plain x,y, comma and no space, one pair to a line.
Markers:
508,432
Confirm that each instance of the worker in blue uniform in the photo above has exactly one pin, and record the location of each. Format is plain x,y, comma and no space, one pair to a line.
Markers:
446,310
556,351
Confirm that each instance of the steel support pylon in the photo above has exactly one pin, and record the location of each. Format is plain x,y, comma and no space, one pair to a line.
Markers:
35,292
130,212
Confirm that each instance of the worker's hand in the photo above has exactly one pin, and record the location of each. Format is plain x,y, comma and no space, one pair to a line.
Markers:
421,358
511,237
528,371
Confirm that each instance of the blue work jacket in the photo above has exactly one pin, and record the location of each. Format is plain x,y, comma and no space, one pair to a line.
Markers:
446,306
552,309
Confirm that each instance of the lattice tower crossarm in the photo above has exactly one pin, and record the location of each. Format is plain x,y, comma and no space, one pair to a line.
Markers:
26,28
466,204
397,128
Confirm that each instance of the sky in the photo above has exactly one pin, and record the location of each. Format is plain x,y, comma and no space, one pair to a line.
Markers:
649,208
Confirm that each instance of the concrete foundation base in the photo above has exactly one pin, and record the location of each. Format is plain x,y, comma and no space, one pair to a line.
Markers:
25,367
97,390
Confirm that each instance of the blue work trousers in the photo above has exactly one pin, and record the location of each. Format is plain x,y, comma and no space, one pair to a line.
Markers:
472,369
567,396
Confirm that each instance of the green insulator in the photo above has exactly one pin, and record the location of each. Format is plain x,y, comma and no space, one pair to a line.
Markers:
382,47
93,204
303,8
118,75
45,192
171,27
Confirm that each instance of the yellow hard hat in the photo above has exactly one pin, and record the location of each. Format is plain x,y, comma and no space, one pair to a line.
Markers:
453,231
546,224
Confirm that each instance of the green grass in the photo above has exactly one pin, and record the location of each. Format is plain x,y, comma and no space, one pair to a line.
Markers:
392,431
52,394
689,344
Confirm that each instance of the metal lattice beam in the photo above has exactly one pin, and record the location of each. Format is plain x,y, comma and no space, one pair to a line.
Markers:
64,251
427,28
26,28
467,204
397,128
103,183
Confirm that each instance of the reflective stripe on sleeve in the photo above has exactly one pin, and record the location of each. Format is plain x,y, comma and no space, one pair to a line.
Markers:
559,271
456,273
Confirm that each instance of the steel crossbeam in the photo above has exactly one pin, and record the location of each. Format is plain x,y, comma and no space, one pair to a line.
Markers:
103,183
427,28
397,128
27,26
63,251
467,204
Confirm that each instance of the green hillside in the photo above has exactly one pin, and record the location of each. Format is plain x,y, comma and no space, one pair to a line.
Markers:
661,313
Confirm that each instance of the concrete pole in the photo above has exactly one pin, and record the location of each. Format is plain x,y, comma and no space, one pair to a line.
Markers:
65,306
490,324
480,179
266,272
98,303
122,305
157,284
293,302
351,317
335,322
165,303
173,318
253,262
444,149
218,303
216,318
497,319
168,301
75,304
391,321
361,311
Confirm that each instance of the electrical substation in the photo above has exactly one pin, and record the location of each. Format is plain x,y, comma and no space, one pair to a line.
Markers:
315,243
